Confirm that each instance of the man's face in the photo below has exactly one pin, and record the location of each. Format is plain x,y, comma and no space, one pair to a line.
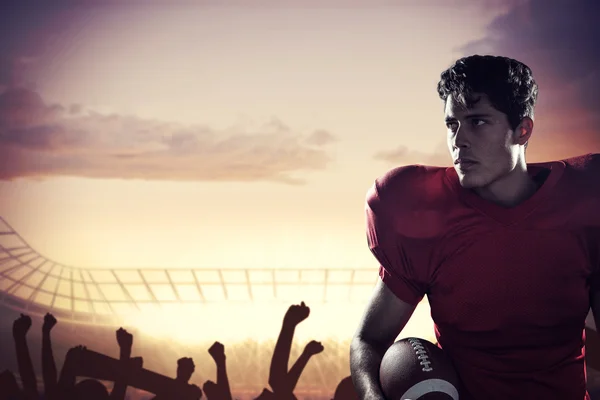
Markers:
483,135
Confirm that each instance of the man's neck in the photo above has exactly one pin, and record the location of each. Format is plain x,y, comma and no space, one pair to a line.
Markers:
512,189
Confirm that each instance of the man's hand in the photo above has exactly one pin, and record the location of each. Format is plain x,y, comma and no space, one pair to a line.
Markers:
296,314
125,339
21,326
313,347
49,322
217,352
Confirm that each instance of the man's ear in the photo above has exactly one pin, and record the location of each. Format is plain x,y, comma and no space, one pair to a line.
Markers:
524,130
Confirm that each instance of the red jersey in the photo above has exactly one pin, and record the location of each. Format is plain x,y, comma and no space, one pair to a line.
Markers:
508,287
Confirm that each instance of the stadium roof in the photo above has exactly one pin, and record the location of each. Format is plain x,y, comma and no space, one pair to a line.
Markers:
32,283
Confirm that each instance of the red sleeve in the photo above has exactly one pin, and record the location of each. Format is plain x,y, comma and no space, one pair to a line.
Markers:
592,189
594,178
595,278
398,269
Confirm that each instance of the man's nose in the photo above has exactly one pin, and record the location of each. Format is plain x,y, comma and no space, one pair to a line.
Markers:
461,138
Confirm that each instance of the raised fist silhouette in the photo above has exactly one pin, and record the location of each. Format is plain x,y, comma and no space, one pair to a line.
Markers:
217,352
313,347
124,338
21,326
296,314
49,322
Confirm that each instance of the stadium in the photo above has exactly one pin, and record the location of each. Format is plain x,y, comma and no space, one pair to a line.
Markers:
176,313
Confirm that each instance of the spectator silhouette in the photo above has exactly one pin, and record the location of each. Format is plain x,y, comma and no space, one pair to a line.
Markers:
9,388
82,362
91,389
221,389
185,369
282,381
345,390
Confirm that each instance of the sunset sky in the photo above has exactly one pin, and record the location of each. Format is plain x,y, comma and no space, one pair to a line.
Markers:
219,135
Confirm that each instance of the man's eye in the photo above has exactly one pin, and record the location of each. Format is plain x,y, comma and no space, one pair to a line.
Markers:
451,125
476,122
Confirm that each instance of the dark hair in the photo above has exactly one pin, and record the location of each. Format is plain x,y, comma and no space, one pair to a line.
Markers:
508,84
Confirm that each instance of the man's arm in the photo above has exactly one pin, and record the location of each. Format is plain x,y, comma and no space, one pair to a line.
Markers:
312,348
385,317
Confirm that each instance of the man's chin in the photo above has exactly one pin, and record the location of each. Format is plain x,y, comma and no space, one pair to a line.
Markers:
467,181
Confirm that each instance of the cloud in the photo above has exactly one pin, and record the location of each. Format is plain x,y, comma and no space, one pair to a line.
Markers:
320,138
37,140
558,39
402,155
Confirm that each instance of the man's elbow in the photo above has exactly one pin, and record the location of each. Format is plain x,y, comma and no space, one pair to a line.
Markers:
358,343
375,340
363,345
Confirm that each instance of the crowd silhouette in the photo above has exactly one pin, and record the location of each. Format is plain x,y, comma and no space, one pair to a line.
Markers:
127,371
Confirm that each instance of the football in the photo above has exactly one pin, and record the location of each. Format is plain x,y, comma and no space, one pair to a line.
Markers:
416,369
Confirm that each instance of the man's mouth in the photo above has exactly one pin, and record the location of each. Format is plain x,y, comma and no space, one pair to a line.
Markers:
464,163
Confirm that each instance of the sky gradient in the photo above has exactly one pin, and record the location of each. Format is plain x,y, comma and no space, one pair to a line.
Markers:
198,135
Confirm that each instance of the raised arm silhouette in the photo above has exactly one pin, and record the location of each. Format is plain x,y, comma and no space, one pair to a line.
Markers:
127,364
49,373
221,389
282,381
312,348
20,328
278,373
